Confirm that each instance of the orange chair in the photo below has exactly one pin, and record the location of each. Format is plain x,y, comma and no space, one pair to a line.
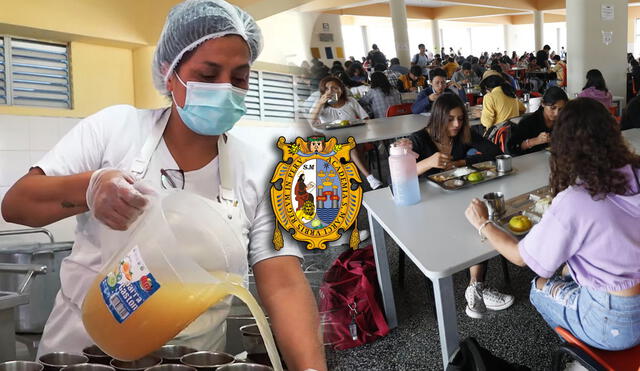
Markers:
596,359
399,110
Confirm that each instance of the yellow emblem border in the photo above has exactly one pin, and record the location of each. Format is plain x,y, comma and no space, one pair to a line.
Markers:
282,204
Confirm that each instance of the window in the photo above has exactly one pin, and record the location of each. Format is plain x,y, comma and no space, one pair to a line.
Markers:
276,96
34,73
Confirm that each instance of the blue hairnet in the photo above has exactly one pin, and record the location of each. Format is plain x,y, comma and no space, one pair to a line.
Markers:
192,22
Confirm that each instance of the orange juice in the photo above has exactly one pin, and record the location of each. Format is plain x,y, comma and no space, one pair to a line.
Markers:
162,316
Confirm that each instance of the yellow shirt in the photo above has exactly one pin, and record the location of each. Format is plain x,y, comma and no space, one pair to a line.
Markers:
450,67
559,70
498,107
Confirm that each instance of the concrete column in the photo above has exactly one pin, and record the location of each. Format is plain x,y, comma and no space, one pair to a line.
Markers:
365,41
507,31
586,49
400,31
538,28
435,36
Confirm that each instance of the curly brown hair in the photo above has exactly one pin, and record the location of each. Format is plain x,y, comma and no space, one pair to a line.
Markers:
586,149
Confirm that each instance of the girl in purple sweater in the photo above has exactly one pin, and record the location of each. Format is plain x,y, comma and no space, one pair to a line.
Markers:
596,88
591,231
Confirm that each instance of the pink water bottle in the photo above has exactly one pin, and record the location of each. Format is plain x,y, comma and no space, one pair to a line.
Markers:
404,174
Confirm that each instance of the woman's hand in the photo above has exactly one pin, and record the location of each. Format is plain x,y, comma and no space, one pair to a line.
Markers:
324,97
433,96
438,160
476,213
543,138
113,200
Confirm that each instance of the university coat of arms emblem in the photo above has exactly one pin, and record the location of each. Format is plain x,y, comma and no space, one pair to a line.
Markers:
315,192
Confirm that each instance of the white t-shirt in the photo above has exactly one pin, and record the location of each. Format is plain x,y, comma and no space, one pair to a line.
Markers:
351,110
113,137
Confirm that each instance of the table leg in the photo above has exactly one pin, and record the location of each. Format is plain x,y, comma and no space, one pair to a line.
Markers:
447,321
382,268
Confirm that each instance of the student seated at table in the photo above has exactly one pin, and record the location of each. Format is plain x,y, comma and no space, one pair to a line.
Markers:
466,75
596,88
560,68
444,145
499,103
450,67
412,80
591,228
508,78
533,132
357,73
381,96
345,108
439,86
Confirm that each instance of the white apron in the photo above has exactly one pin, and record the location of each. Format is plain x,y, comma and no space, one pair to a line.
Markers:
64,331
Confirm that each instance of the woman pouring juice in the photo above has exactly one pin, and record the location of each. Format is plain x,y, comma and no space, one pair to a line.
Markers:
202,64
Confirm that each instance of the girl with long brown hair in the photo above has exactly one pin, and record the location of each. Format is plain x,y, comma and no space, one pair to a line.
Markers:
590,230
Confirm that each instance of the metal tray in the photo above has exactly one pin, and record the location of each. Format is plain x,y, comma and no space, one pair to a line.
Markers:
455,179
524,204
336,125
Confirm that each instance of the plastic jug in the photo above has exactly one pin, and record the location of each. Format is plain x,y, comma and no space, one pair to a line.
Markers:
181,259
404,174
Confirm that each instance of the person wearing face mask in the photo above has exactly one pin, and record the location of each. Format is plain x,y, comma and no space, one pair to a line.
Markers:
533,132
439,86
97,171
444,145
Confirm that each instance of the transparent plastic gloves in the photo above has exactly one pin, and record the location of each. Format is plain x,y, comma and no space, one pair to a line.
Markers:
116,198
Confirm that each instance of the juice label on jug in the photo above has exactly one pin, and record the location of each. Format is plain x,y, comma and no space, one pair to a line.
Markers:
128,286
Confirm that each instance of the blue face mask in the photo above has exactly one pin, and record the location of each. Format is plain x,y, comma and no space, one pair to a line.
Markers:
211,109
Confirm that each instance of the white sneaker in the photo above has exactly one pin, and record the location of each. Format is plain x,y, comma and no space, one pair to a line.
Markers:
475,302
374,182
495,300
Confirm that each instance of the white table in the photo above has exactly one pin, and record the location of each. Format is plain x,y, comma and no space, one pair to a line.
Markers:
379,129
436,236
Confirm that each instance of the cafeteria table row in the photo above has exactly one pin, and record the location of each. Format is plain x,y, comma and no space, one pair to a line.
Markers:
436,236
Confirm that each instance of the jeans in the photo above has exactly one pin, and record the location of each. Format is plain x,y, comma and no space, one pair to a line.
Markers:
597,318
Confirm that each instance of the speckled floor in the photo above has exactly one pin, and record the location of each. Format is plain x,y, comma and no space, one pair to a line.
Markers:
517,334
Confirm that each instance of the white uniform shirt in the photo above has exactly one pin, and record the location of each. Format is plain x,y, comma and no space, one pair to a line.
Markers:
351,110
113,137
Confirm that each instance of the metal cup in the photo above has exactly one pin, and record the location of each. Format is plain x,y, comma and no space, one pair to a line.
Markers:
88,367
60,360
207,361
173,353
245,367
503,163
96,355
252,340
21,366
171,367
495,204
137,365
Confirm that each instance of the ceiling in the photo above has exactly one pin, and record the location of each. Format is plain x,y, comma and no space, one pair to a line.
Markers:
427,3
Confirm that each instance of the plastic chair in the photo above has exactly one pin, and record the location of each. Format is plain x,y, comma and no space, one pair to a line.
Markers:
595,359
399,110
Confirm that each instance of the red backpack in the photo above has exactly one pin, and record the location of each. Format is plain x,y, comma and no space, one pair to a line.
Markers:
349,301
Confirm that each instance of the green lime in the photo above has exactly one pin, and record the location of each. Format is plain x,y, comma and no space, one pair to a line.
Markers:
475,177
